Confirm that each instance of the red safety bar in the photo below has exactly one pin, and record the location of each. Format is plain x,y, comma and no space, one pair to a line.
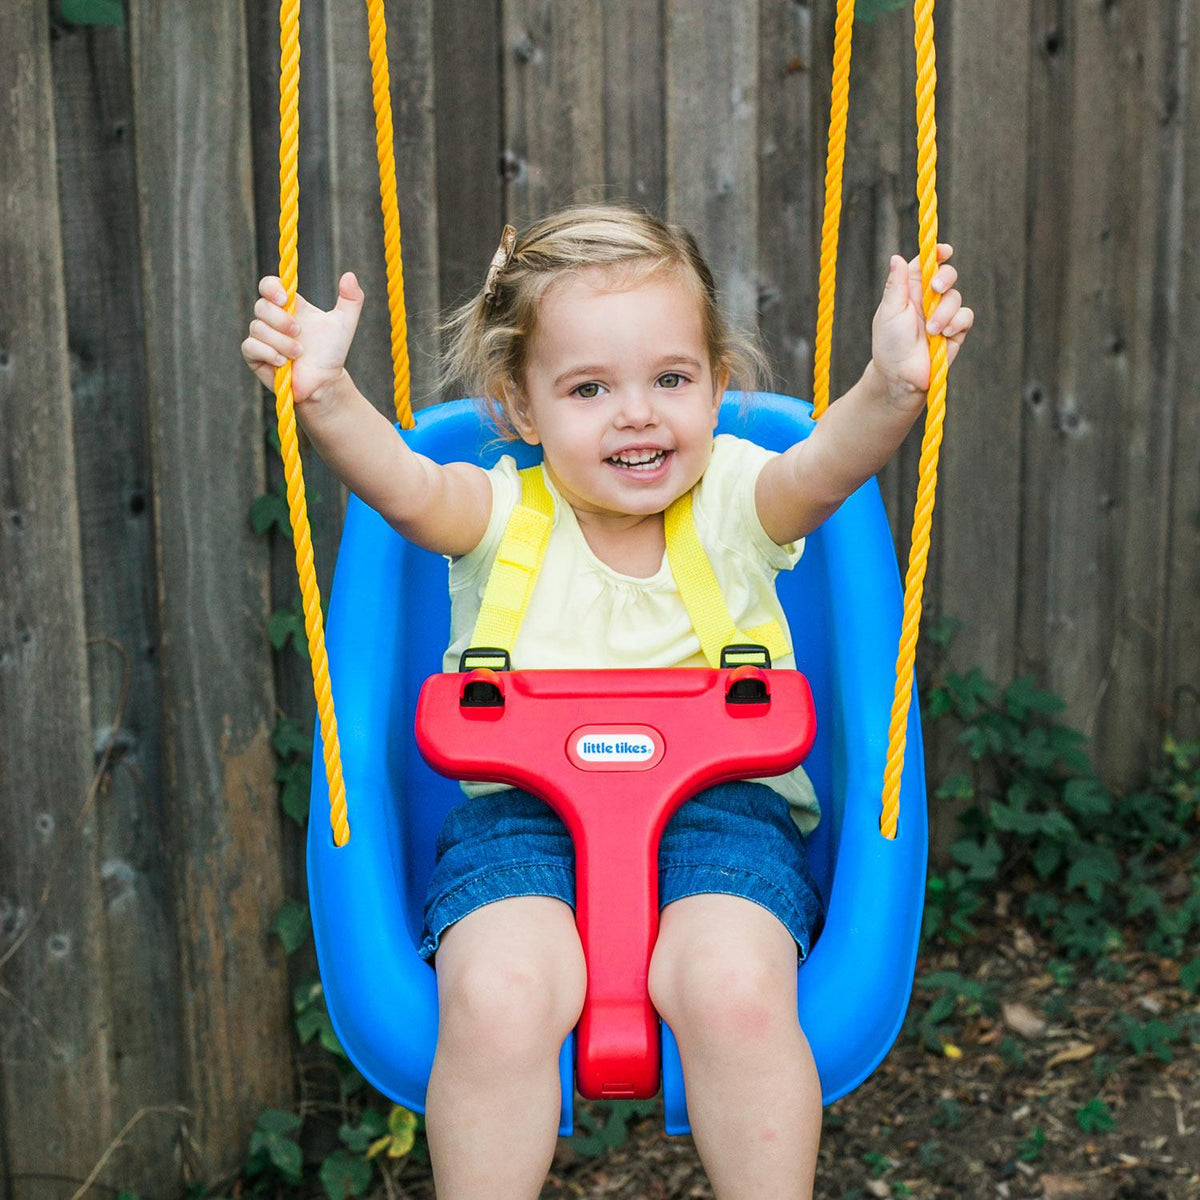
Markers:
615,753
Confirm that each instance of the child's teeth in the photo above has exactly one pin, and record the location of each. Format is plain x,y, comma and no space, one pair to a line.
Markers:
641,461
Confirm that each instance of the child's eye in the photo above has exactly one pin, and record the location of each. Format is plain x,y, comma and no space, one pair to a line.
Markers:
672,379
587,391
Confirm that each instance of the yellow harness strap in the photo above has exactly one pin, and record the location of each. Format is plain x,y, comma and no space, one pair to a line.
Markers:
523,547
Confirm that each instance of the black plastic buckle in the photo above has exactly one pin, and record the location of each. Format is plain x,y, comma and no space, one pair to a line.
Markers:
742,653
475,657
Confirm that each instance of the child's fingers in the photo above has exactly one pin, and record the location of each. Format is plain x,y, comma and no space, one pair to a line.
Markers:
270,287
258,354
275,316
945,279
944,251
279,342
959,325
262,361
945,311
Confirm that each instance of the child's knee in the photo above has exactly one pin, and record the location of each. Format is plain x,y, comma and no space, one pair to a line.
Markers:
718,996
514,1005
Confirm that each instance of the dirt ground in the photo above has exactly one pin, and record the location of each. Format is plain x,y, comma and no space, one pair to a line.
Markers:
1001,1120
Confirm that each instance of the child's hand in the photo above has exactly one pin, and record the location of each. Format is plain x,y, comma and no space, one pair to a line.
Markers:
315,340
899,347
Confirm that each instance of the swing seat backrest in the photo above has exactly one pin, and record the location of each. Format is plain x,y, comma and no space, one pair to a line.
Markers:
388,626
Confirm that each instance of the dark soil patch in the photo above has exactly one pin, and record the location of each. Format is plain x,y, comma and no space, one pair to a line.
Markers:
1002,1120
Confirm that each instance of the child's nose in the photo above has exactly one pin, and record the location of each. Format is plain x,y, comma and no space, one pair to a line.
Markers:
636,408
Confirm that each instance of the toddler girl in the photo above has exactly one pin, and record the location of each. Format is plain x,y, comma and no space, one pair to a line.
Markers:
597,336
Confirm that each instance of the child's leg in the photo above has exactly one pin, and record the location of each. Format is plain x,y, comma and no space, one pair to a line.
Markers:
511,981
723,976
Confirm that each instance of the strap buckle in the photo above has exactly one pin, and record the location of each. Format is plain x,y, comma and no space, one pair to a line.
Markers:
741,654
491,657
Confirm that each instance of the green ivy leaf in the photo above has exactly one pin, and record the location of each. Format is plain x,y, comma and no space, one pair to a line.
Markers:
1022,697
271,511
982,859
1095,868
358,1137
92,12
1189,977
1088,797
296,785
1031,1148
288,738
1094,1117
868,10
941,631
1047,858
956,787
344,1174
293,925
273,1139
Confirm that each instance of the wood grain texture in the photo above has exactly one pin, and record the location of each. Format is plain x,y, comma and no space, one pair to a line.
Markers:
983,123
1180,694
195,205
469,140
55,1033
634,132
553,106
1095,623
788,155
94,122
712,131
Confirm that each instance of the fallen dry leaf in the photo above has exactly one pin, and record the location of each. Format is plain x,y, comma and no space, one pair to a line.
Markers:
1075,1052
1023,1020
1059,1187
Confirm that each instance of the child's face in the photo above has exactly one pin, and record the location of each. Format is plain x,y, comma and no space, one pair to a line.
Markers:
617,373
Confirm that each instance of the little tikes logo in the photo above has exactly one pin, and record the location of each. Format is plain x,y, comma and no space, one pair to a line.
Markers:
615,747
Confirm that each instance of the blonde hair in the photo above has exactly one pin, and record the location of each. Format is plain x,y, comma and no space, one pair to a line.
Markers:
486,339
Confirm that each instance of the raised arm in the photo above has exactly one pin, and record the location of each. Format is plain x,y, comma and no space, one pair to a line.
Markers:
798,490
441,508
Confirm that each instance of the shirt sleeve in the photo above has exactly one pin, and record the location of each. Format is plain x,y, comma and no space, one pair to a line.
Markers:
506,491
726,500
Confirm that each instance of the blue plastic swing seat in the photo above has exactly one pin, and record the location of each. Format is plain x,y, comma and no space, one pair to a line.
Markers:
388,626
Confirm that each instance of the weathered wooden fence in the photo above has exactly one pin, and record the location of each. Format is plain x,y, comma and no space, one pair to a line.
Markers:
142,858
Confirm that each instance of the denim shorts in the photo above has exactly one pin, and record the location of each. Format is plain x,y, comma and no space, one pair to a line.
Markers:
736,839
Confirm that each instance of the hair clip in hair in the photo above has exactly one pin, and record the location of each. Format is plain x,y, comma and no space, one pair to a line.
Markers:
500,260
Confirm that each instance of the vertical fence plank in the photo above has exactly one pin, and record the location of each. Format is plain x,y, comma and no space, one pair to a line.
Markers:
470,133
553,106
55,1042
99,222
205,418
1144,348
1052,36
1091,630
1181,641
788,156
634,63
712,138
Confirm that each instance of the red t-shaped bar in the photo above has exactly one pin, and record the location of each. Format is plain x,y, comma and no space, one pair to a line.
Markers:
615,753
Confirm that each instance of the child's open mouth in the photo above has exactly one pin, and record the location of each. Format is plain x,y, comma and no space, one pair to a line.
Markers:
640,462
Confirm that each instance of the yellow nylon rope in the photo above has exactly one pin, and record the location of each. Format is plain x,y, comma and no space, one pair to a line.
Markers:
935,415
385,153
289,209
835,156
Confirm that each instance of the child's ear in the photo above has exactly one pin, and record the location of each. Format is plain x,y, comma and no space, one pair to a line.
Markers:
518,413
720,383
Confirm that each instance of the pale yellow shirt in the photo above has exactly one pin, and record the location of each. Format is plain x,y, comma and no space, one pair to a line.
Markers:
583,614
